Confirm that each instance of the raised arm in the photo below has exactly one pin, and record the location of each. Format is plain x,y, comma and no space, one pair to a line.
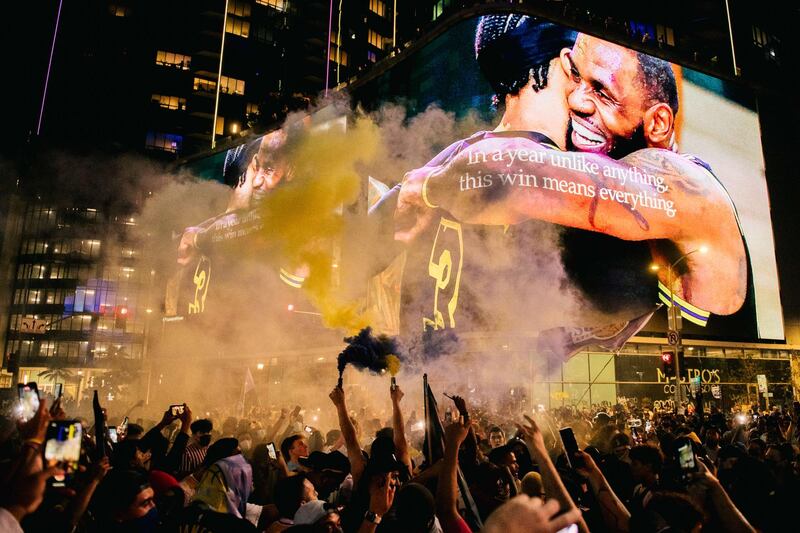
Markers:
652,194
553,486
615,515
447,487
399,428
730,517
357,463
279,427
173,458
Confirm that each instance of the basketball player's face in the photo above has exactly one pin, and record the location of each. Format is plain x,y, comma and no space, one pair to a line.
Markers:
607,103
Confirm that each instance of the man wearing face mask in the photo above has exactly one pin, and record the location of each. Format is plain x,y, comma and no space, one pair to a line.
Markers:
245,443
195,451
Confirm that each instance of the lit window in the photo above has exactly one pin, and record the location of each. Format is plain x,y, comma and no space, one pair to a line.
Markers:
237,26
171,59
163,141
252,109
239,8
169,102
378,7
280,5
202,85
219,129
119,11
375,39
372,56
439,7
665,35
231,85
769,44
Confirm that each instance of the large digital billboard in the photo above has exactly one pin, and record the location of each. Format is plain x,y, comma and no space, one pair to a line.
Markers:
597,184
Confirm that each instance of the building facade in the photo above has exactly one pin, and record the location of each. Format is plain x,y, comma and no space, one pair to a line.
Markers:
81,301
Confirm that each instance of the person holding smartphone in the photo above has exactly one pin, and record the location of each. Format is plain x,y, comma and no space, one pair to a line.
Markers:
553,486
646,464
26,473
196,449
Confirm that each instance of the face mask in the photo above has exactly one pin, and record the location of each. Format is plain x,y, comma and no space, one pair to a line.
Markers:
204,440
146,524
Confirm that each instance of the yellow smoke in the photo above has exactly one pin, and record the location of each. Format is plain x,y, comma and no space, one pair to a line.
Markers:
393,364
304,214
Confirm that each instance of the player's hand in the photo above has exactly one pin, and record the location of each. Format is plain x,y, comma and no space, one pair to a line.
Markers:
187,250
412,216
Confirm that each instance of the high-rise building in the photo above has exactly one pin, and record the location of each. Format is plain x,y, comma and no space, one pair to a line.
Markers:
174,78
161,79
80,300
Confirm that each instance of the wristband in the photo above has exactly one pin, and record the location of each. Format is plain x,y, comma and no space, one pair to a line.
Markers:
372,517
34,440
33,445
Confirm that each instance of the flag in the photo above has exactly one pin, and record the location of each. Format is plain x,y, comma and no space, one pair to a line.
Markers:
292,280
562,343
249,383
433,448
100,431
248,386
688,311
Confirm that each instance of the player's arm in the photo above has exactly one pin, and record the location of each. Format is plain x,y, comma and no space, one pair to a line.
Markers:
586,191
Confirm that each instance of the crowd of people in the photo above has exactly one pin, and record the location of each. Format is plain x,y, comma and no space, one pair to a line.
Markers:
495,471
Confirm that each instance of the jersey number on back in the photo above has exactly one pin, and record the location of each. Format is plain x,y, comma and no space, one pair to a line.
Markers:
444,266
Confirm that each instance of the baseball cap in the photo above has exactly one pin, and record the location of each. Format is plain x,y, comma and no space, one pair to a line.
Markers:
320,461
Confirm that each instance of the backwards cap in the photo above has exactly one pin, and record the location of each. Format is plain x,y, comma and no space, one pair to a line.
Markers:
507,47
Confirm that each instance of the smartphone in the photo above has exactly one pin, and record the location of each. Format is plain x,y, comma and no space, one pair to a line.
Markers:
58,390
570,446
176,410
112,435
271,451
62,448
686,459
28,399
123,428
309,429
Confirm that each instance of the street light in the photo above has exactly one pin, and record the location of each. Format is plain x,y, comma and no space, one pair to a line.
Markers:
674,321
